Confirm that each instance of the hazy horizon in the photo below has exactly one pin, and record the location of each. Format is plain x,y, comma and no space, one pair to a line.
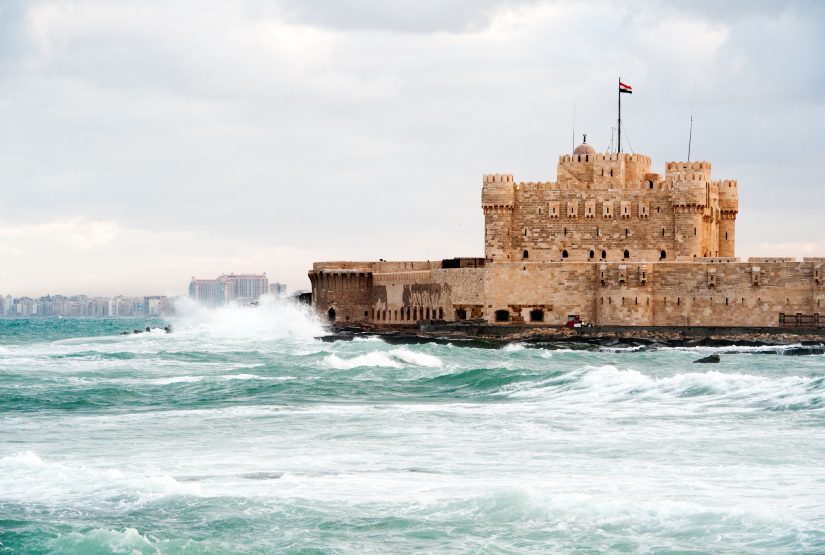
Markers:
145,144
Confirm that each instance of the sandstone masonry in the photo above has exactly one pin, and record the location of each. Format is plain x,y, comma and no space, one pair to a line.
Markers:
609,241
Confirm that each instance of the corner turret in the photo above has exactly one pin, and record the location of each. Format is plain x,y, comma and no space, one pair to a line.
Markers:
497,201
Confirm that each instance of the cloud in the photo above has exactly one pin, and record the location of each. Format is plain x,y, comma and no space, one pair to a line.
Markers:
363,128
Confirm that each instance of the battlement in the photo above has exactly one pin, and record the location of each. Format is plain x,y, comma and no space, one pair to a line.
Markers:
686,167
498,178
604,157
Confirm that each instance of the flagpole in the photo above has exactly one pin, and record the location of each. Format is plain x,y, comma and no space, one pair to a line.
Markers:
620,114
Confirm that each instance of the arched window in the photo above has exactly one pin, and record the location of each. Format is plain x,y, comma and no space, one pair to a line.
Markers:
626,232
649,184
440,313
502,315
525,254
627,253
663,232
564,253
604,254
662,255
427,317
592,254
331,314
565,232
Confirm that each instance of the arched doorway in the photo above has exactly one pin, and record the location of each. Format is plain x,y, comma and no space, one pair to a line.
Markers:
331,314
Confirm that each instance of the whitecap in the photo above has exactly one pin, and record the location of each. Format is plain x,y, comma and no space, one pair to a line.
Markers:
176,379
375,358
417,359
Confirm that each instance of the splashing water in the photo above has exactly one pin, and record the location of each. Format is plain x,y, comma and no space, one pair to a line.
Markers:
241,432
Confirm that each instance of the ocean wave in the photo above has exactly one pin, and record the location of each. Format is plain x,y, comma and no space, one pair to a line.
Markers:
27,477
103,540
176,379
611,384
272,318
390,359
417,359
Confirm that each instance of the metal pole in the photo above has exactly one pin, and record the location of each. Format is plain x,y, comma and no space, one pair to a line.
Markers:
620,115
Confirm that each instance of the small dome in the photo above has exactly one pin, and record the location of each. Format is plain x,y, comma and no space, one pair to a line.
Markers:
584,148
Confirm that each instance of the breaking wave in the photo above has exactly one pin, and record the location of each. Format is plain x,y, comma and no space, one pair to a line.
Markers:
390,359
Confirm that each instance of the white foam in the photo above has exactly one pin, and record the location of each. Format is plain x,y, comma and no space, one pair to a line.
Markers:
374,358
100,539
392,359
418,359
21,459
272,318
176,379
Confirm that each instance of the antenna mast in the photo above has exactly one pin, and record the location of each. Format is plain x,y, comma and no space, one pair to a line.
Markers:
574,125
690,133
620,114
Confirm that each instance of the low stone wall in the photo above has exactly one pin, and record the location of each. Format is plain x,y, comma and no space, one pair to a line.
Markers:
715,292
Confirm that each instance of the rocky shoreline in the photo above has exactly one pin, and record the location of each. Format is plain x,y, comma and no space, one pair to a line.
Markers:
786,342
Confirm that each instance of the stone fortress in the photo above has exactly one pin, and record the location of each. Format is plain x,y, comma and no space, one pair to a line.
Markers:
609,242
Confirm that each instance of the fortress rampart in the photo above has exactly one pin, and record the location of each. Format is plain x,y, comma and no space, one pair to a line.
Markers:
609,241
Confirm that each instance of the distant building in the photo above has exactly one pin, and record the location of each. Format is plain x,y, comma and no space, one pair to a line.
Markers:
277,289
246,288
241,288
208,292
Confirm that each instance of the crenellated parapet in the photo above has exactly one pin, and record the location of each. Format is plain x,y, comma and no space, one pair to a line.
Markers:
728,197
498,191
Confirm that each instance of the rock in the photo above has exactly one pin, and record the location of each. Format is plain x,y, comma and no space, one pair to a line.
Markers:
712,359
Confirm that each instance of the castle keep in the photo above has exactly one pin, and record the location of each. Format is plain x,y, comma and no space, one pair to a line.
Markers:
610,241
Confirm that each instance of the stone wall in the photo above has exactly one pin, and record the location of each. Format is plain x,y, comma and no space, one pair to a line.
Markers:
713,292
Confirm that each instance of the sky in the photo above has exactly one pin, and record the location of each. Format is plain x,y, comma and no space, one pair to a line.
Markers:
143,143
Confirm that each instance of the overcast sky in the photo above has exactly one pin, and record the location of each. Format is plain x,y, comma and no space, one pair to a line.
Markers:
142,143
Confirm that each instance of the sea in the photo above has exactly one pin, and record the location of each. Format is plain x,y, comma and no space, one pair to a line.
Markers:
243,432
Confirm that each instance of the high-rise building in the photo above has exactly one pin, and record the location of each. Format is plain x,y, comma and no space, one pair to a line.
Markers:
245,288
209,292
242,288
277,289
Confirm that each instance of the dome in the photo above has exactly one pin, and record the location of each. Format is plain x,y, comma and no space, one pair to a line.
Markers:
584,148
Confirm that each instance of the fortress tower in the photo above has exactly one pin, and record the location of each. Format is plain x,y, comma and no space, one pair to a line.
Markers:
497,195
610,206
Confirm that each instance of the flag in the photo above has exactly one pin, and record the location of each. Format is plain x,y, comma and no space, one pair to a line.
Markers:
625,88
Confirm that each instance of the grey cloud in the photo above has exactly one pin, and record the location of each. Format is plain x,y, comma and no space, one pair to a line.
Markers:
416,16
309,130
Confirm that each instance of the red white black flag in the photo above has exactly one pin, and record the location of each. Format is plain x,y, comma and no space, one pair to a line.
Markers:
623,88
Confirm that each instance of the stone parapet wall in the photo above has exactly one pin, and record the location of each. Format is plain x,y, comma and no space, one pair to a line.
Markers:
716,292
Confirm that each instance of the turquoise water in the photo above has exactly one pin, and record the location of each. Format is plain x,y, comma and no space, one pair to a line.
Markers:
242,433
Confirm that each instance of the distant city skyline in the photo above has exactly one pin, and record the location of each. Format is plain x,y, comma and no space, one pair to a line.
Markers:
143,143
